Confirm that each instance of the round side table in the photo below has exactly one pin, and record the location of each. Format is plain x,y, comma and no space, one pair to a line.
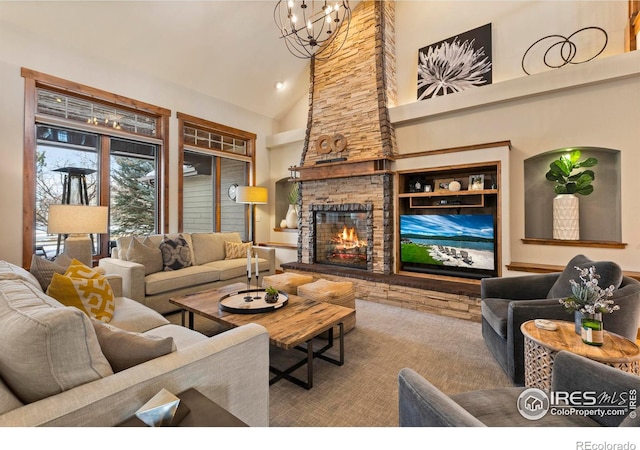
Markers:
541,346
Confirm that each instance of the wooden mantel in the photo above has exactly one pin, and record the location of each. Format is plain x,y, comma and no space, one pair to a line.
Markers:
342,169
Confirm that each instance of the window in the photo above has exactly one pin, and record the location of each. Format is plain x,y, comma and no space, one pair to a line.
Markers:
213,157
85,146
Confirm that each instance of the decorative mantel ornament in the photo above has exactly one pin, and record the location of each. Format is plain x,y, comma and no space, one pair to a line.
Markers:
331,144
566,206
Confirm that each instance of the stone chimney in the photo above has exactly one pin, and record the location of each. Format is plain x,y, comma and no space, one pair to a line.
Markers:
350,143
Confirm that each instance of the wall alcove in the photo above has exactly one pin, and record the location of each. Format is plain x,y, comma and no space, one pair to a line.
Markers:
600,212
283,187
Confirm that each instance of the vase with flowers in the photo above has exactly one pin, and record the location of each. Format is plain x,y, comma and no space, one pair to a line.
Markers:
588,302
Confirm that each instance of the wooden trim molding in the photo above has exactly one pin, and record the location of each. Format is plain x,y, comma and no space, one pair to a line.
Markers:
574,243
93,93
464,148
632,28
550,268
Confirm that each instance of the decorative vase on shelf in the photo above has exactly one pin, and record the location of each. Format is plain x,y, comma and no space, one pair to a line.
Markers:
292,217
566,217
592,330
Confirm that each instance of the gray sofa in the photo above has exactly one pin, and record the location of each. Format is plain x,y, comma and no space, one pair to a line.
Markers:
55,369
421,404
144,279
508,302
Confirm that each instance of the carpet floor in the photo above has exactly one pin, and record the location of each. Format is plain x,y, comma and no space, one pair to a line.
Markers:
449,352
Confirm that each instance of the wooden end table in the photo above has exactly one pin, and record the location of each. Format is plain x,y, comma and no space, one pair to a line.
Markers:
200,412
541,347
297,323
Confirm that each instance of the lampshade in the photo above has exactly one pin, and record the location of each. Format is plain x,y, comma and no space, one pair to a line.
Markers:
77,219
251,194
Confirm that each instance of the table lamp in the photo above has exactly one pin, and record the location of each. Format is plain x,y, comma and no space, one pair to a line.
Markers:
78,221
252,195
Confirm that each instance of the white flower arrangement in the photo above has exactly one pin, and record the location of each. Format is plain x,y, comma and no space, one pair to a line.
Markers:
588,297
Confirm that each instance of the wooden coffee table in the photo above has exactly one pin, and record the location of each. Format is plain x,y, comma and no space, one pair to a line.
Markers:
289,327
541,347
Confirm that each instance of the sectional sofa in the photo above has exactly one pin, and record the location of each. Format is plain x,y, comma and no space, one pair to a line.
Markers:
59,368
214,260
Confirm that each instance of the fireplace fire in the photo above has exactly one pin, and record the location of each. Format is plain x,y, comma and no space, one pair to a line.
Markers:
346,245
337,238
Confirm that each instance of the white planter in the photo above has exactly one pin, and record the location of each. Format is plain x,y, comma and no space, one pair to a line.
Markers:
292,217
566,217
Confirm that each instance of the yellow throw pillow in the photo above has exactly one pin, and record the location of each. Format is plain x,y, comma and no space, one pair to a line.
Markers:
233,250
85,289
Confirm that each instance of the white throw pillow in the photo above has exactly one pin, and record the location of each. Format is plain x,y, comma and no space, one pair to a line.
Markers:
145,253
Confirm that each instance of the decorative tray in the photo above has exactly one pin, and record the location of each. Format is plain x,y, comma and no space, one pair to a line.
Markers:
251,301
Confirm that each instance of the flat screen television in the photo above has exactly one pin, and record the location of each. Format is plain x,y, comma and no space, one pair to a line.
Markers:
461,245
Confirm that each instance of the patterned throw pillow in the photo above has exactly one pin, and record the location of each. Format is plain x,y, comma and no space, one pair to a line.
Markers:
124,349
176,253
233,250
85,289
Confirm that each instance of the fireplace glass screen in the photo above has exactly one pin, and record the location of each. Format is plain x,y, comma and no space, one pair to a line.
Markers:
341,238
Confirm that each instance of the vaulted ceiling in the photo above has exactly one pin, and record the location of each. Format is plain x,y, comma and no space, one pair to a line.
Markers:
229,50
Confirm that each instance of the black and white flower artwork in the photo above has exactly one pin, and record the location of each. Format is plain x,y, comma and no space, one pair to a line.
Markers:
455,64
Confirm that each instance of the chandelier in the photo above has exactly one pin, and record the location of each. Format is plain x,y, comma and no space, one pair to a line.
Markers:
309,27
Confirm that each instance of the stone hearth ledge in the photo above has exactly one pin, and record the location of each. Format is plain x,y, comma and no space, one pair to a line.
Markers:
450,298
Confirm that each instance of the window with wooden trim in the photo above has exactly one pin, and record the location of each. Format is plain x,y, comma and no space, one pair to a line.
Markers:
214,159
86,146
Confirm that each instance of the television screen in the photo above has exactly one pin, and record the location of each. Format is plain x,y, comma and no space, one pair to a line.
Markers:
448,244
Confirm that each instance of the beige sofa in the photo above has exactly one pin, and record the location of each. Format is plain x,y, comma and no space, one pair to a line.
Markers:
53,371
145,280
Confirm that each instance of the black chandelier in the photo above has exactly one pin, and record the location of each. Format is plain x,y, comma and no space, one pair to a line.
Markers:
309,27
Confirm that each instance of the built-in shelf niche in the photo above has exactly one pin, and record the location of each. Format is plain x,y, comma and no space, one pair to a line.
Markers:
600,212
283,187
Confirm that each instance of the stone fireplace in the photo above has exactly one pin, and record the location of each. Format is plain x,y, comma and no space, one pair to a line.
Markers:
345,170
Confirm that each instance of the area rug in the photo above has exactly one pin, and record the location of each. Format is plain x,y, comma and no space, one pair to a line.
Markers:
449,352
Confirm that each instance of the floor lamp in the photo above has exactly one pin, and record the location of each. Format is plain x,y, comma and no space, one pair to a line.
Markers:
78,221
251,195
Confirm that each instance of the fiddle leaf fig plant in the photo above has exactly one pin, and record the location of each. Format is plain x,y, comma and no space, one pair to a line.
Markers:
567,182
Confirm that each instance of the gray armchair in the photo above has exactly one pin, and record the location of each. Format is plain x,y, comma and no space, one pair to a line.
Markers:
421,404
510,301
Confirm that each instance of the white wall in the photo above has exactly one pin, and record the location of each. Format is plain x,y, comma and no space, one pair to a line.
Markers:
21,50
